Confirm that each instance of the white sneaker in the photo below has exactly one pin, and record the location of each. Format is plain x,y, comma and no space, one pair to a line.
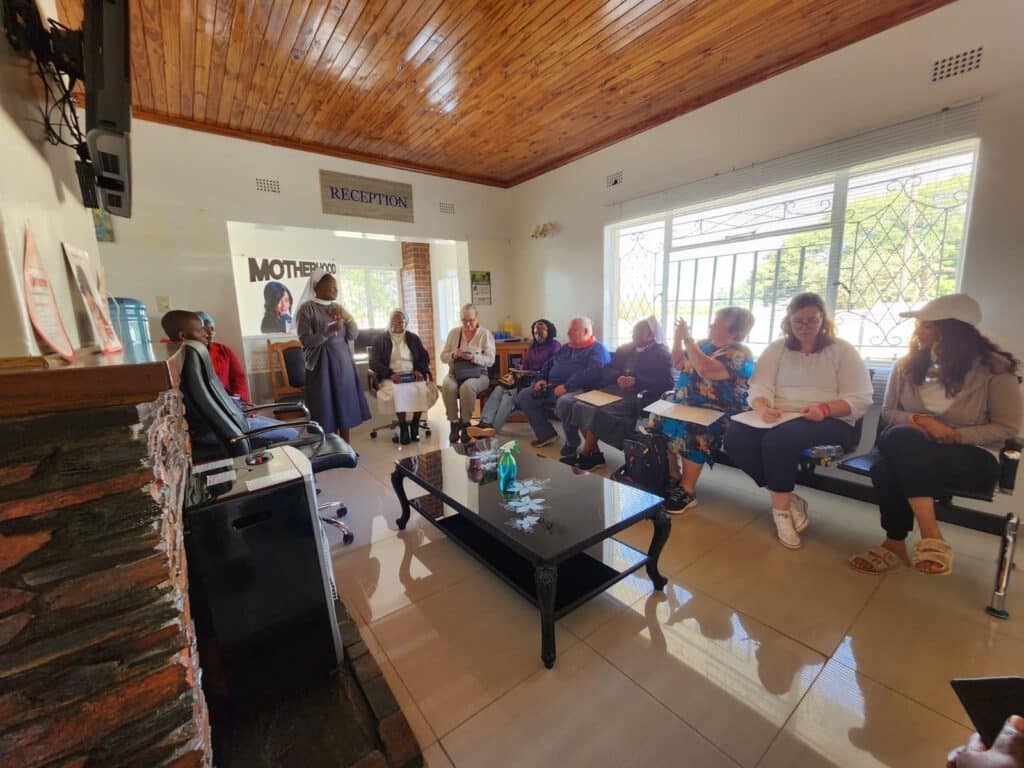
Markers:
798,510
787,534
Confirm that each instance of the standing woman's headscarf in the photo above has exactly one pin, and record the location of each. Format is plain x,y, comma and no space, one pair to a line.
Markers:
552,331
309,292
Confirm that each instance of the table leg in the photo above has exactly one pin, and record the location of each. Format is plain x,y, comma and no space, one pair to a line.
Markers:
662,528
546,578
397,478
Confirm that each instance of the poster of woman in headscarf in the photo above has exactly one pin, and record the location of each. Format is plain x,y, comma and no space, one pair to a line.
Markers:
103,332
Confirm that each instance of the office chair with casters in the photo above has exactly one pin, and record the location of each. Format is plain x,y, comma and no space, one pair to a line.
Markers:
219,429
373,385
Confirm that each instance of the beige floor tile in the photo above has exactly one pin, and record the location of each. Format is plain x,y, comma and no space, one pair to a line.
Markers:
910,639
599,610
435,757
721,513
420,727
810,594
713,667
389,574
848,721
584,712
460,649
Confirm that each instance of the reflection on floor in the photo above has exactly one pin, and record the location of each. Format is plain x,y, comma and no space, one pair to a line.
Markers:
753,655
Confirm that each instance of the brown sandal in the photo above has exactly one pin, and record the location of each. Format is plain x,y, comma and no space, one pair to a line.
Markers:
935,551
880,560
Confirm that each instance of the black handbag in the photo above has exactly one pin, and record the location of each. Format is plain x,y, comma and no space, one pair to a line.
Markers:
646,461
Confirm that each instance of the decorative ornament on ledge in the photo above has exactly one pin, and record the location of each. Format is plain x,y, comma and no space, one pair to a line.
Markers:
543,230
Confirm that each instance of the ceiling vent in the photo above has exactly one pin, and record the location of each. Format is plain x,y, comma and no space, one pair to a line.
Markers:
447,208
268,185
957,64
614,179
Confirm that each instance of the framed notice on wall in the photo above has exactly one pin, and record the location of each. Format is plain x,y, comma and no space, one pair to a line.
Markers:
42,304
480,287
96,307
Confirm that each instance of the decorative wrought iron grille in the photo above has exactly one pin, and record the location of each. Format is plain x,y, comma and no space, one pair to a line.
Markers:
874,242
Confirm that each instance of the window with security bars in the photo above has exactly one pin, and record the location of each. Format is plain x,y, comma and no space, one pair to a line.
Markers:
369,294
873,241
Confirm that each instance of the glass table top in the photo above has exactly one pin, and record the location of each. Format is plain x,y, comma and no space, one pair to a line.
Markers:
555,509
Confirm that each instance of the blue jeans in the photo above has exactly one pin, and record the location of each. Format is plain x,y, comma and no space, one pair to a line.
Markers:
499,406
271,436
532,404
771,456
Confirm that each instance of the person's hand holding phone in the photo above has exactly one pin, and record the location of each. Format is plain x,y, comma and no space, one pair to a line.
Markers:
1006,752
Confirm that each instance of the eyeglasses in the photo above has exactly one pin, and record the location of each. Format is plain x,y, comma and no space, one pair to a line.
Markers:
796,322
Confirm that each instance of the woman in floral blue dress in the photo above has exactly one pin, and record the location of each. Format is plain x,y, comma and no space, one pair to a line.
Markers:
713,373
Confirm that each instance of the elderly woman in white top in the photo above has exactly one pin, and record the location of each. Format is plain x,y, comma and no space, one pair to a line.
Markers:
811,373
468,353
398,356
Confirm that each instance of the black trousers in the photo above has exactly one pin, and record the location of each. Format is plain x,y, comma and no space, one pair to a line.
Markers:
771,456
913,465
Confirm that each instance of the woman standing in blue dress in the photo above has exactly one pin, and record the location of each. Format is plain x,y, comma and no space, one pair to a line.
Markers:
333,391
713,373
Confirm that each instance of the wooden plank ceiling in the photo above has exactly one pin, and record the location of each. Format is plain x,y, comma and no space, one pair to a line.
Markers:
495,91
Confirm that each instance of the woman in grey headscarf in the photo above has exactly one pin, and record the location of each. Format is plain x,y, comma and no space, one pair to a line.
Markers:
334,393
396,356
639,373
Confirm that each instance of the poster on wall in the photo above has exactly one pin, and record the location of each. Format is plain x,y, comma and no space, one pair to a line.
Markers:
480,287
268,290
96,307
42,304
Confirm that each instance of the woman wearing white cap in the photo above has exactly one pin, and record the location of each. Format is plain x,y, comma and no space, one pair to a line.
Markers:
333,392
950,403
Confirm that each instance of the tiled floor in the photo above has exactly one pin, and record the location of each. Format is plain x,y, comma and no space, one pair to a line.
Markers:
753,655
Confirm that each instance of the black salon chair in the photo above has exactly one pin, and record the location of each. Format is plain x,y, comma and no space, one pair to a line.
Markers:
218,427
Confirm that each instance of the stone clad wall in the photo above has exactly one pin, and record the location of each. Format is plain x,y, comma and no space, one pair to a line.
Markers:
97,649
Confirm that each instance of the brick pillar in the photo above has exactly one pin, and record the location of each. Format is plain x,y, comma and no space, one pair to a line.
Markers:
416,292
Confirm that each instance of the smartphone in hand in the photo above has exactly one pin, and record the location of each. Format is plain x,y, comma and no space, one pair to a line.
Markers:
990,702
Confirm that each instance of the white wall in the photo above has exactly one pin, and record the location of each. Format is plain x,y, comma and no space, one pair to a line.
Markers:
188,185
880,81
37,186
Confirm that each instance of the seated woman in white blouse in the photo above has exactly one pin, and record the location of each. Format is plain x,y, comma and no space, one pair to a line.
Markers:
811,372
394,355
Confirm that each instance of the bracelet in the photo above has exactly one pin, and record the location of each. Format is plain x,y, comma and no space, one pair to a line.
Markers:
825,409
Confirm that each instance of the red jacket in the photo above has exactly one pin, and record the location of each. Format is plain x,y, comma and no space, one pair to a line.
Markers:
229,370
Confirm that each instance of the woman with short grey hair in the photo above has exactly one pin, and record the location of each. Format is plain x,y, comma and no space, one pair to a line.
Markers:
395,357
468,353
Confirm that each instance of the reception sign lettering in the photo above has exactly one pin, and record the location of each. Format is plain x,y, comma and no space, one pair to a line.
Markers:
348,195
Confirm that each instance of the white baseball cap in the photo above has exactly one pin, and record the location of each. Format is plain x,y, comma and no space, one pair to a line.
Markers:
955,306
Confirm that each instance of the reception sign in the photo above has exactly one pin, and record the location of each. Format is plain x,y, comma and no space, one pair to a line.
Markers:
348,195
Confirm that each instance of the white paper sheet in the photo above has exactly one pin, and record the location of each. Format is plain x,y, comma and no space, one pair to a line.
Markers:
688,413
751,419
209,466
411,397
598,398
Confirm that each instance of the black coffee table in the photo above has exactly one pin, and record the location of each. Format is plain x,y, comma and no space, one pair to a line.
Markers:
550,544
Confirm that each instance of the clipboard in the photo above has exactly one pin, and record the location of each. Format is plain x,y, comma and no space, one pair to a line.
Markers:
598,398
688,413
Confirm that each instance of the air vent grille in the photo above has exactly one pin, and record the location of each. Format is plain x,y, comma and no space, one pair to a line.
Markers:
614,179
447,208
957,64
268,185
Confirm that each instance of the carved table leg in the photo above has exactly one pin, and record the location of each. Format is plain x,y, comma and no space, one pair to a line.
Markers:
662,528
546,578
397,478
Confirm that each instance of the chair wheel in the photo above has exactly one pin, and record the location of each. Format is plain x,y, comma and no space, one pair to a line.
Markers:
348,537
394,438
341,511
373,434
428,433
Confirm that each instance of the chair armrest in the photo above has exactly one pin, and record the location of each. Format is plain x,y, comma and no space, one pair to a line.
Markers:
271,427
293,405
1009,461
